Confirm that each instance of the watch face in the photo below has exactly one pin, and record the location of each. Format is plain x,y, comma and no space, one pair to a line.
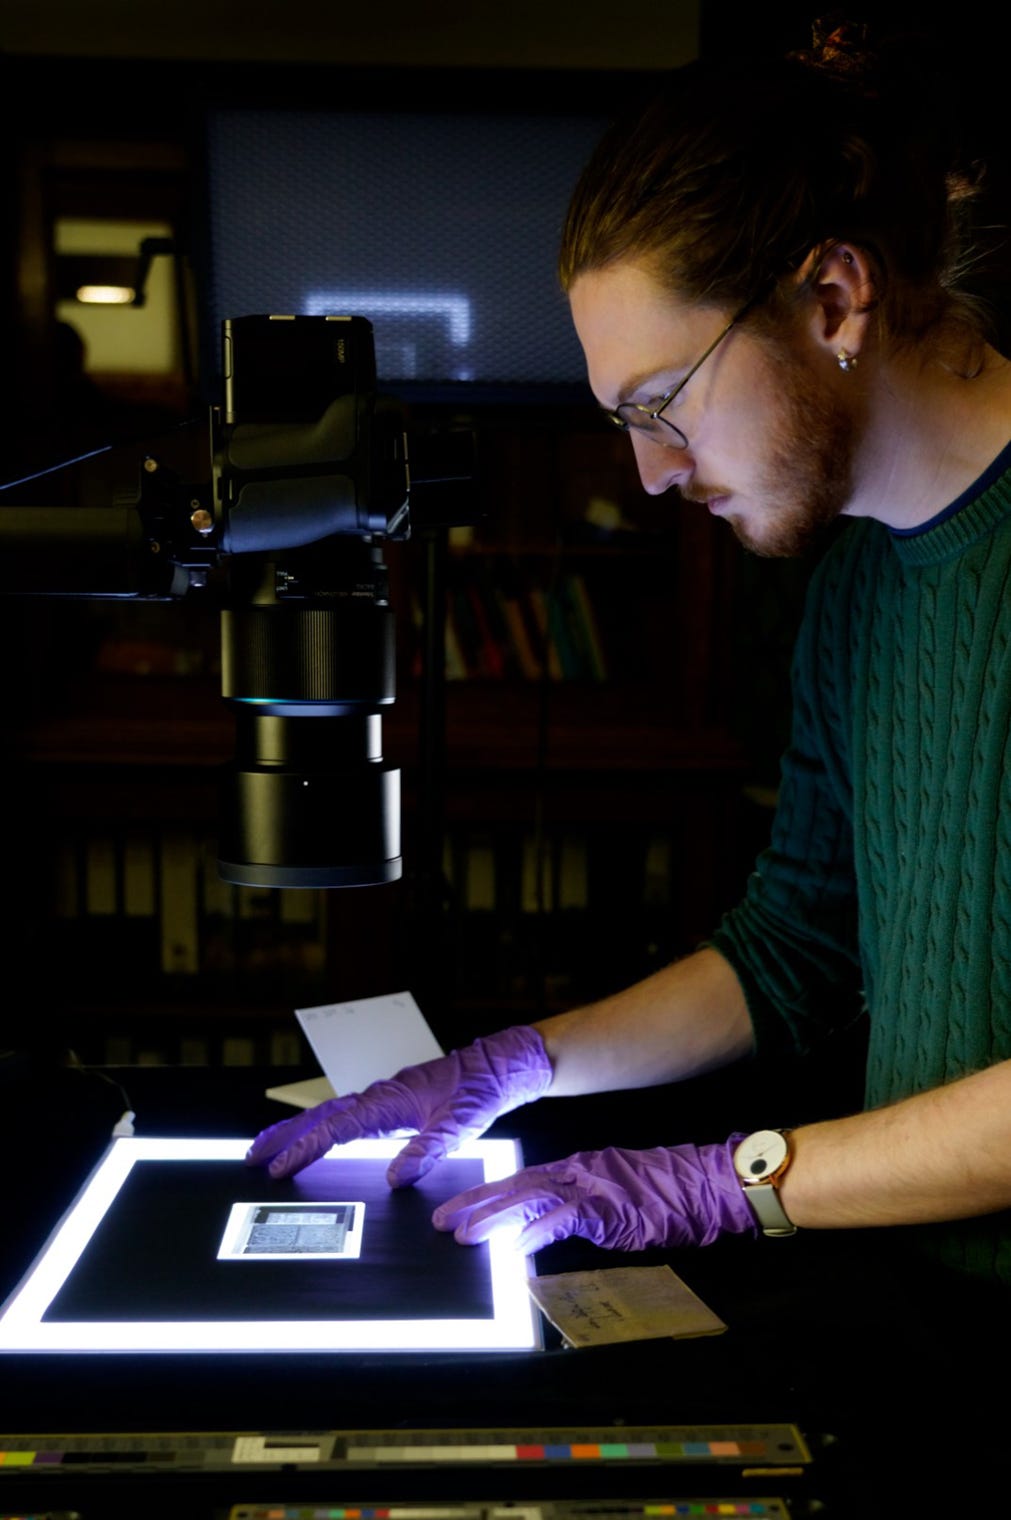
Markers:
760,1155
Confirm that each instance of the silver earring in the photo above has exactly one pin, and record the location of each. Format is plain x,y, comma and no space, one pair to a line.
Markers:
846,360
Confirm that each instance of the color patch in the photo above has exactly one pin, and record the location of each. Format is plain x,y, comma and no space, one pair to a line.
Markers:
562,1451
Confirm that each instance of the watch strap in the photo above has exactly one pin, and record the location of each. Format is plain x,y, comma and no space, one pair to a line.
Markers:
768,1210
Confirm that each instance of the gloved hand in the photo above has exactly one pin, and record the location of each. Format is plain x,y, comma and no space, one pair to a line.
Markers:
448,1100
682,1195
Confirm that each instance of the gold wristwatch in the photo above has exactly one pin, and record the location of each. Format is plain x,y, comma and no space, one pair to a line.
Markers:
760,1162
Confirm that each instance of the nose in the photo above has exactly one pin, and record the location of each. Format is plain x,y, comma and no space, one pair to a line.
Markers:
660,466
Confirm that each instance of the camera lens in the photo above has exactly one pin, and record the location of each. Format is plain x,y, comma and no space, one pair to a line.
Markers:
308,800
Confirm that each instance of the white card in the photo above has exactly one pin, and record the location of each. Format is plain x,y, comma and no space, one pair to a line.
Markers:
360,1042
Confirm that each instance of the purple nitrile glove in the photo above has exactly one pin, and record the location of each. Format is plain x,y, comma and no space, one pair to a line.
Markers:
681,1195
448,1100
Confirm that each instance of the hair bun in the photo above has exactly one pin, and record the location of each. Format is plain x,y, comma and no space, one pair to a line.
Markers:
840,46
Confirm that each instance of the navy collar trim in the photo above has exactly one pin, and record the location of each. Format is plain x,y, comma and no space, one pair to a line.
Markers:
992,473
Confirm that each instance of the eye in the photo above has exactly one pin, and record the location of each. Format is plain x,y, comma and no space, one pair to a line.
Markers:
656,402
665,399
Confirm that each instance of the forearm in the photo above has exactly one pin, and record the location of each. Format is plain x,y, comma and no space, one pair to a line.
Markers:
685,1019
943,1154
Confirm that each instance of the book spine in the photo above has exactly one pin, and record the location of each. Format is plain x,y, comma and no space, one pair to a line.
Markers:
588,630
526,657
540,604
560,626
504,651
468,633
456,664
491,659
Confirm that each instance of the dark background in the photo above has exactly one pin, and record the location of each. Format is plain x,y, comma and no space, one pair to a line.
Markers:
664,776
578,835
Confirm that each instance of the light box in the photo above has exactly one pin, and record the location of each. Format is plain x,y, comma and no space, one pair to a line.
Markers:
145,1260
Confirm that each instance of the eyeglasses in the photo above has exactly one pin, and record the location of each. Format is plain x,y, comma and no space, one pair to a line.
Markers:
647,416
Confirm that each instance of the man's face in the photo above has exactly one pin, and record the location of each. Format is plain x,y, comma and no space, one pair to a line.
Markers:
771,433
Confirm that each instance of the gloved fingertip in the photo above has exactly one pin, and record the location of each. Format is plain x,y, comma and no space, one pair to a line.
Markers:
415,1161
405,1171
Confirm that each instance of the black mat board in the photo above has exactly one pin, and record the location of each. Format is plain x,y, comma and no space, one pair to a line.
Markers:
153,1256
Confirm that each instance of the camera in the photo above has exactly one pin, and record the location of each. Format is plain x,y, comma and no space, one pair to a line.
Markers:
309,472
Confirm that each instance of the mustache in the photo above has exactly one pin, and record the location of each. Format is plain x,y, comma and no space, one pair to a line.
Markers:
700,493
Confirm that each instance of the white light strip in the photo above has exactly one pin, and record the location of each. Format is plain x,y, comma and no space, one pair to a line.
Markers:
513,1326
454,310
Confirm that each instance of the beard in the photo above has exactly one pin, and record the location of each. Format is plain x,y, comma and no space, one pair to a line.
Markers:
806,480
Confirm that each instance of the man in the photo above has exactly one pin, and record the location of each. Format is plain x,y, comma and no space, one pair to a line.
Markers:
761,274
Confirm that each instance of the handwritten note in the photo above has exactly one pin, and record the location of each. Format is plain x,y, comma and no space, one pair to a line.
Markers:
622,1304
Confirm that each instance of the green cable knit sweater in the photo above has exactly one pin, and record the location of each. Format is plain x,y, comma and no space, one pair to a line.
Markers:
888,878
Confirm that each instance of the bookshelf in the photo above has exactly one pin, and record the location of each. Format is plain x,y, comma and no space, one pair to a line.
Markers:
616,700
591,815
592,808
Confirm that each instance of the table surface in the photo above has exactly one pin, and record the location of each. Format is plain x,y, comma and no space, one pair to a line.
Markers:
846,1334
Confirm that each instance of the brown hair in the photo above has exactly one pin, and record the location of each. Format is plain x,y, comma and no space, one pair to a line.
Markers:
737,170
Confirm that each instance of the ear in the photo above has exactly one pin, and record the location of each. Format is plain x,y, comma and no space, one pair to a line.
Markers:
842,291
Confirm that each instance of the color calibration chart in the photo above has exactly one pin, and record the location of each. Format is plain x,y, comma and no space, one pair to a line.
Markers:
757,1509
759,1448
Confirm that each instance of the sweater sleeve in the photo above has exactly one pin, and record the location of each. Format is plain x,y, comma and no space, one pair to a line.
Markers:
793,939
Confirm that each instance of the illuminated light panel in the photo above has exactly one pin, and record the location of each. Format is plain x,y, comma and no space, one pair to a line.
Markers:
104,295
455,311
512,1327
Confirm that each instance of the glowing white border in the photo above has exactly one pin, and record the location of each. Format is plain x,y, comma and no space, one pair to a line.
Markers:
513,1326
454,310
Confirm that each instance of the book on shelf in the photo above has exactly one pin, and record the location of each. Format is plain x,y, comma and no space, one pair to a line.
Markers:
525,635
520,634
501,626
456,664
563,633
503,655
540,604
575,631
586,627
490,654
535,629
468,633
